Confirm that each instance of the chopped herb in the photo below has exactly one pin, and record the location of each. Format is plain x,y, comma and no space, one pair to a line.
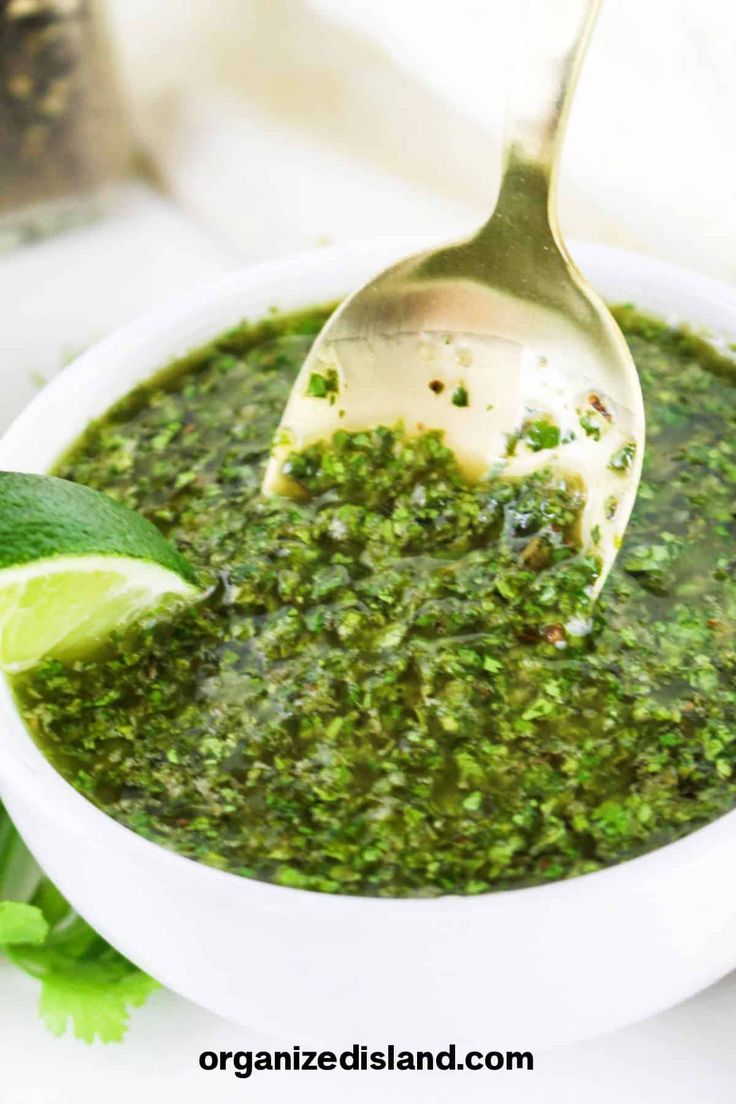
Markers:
540,434
396,685
591,428
623,458
324,386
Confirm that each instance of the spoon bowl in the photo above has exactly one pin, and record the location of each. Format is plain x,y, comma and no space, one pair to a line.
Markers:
497,341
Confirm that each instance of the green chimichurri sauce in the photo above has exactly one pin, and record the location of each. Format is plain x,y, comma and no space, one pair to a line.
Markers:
384,692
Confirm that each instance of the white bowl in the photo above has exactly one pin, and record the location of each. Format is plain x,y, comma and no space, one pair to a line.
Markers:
526,967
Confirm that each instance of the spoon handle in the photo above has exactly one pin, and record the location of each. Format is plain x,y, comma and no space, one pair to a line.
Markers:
524,221
556,36
520,248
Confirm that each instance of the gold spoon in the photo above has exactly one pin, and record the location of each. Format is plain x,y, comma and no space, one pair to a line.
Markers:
498,341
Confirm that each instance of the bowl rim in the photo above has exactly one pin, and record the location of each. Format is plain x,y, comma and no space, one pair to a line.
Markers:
24,769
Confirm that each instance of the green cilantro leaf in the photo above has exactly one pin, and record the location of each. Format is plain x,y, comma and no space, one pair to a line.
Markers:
86,985
21,923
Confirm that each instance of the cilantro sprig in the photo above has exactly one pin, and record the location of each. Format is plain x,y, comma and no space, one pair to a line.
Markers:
86,985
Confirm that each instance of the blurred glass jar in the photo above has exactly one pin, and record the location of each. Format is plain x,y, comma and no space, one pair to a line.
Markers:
63,137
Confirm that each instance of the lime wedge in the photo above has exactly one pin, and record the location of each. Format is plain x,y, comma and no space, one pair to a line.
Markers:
75,565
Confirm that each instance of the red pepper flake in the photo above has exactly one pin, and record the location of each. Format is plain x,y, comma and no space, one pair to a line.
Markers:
554,634
596,403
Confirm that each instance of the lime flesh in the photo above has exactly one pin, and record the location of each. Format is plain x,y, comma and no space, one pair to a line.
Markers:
74,566
65,607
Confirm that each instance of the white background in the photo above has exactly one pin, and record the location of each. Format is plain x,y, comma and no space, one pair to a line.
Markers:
279,124
685,1056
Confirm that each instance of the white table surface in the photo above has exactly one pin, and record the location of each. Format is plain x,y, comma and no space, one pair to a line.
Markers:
56,298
